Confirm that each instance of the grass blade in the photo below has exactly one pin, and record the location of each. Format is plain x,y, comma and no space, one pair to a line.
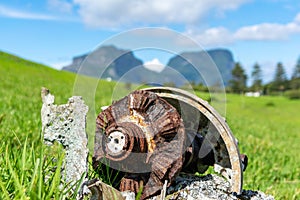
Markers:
5,194
35,172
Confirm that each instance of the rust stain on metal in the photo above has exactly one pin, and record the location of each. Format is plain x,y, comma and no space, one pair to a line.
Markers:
165,131
141,122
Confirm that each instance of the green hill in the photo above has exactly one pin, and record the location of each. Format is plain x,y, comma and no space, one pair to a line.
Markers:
267,129
20,83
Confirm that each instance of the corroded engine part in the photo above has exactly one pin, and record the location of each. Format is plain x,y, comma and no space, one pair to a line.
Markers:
143,135
155,133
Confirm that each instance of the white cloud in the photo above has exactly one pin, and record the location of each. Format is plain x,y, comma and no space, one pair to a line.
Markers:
119,13
60,5
297,18
259,32
154,65
211,36
60,65
12,13
267,31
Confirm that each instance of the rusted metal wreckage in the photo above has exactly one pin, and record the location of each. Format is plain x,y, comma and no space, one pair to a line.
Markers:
147,138
153,134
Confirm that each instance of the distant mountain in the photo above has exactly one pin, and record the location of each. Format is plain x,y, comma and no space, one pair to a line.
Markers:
74,66
107,62
118,64
207,64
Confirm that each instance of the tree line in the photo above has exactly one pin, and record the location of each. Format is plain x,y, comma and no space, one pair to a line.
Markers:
279,85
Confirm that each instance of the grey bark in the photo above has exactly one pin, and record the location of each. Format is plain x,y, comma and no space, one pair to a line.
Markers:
66,124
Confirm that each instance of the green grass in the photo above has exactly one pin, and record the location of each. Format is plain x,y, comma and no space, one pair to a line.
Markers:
268,129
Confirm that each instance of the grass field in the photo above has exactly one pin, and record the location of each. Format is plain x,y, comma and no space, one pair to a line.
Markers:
268,130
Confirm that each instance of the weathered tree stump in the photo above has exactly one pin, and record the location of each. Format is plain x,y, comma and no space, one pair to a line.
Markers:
66,125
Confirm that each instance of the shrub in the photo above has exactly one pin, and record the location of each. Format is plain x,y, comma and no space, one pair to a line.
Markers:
270,104
293,94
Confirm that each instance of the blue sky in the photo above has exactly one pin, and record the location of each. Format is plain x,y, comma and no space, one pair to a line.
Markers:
53,31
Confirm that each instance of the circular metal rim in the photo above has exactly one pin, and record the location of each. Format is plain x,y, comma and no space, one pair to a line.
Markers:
219,123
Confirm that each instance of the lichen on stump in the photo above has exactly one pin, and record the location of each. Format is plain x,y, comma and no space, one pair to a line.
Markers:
66,125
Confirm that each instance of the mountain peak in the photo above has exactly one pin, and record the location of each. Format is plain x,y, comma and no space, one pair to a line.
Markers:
112,62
